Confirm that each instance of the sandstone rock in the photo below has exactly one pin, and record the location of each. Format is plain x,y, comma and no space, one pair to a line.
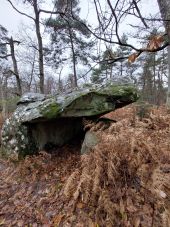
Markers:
40,120
90,141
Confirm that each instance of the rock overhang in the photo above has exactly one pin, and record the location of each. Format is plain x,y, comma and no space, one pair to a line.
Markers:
40,119
82,103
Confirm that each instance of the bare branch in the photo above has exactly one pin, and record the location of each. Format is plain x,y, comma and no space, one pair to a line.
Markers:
12,72
24,14
5,56
110,61
3,44
116,21
51,12
145,18
104,39
139,13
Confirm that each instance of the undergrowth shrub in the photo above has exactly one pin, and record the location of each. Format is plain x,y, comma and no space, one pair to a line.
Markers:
125,180
143,110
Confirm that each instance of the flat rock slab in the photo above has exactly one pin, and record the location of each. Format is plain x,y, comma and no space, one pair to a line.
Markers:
40,120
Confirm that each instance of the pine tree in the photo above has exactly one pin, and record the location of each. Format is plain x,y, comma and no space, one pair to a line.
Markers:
69,39
104,72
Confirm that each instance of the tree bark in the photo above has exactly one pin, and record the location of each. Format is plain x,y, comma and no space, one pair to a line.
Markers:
74,58
15,66
32,74
165,13
3,93
40,45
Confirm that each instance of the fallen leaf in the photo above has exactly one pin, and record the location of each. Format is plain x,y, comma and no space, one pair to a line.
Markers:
62,179
57,219
93,224
137,222
80,205
2,222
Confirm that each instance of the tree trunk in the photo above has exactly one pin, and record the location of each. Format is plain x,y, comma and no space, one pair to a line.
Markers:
168,93
15,66
165,13
32,74
111,71
74,58
40,45
60,85
154,80
3,93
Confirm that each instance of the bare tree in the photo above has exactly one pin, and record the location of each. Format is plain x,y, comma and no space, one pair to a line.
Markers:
11,43
3,92
35,4
165,13
110,20
15,70
36,20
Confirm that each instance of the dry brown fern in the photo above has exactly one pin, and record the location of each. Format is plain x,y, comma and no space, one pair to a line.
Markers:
124,180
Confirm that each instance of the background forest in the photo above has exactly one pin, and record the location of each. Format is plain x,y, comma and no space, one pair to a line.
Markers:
74,44
64,45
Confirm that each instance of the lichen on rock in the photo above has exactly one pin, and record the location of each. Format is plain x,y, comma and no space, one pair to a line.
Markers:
40,120
16,138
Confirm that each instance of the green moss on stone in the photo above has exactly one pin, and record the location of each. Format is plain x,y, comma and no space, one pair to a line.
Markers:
89,104
51,110
121,90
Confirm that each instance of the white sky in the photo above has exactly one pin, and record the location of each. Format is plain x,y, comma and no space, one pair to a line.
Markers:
10,19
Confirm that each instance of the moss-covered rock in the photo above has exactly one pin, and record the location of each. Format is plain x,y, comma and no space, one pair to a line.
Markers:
50,109
40,120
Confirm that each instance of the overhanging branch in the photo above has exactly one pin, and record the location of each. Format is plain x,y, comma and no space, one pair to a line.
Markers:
24,14
139,13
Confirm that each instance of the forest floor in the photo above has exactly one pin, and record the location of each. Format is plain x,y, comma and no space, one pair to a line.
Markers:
123,182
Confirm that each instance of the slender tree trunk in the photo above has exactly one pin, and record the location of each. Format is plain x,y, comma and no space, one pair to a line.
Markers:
121,70
154,79
3,92
15,66
60,85
40,45
74,58
168,93
164,6
106,74
111,71
32,74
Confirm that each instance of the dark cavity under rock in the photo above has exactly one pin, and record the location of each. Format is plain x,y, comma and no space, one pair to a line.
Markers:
40,121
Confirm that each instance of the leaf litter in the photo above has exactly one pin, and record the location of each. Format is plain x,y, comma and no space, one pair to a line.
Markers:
123,181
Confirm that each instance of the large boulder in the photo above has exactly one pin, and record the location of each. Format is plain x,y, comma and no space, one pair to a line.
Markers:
42,121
